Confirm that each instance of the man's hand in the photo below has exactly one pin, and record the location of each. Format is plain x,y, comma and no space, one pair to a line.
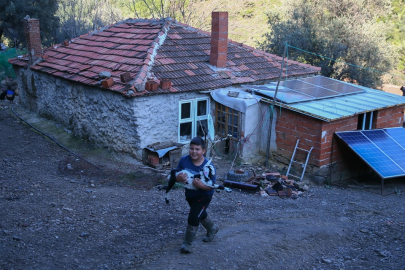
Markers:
198,184
182,178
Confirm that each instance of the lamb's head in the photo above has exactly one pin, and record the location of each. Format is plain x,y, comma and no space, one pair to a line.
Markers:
207,172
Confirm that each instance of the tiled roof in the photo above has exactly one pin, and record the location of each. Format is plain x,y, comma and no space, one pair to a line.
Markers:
160,49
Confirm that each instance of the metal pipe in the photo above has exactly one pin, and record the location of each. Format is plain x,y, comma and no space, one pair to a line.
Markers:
268,151
240,185
364,121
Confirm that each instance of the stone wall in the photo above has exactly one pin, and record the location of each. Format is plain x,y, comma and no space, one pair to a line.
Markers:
103,117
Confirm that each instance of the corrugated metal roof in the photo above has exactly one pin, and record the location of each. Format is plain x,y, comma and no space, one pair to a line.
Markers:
334,108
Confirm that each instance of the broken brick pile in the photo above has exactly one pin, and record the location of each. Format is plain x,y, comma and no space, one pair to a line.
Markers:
275,184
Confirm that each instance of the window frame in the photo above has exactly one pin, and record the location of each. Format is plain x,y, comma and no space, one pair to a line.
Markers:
194,118
226,124
364,118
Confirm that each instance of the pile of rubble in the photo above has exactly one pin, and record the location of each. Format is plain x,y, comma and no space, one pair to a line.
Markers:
270,184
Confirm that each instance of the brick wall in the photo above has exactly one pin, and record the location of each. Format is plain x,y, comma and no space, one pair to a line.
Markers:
319,134
290,127
328,129
390,117
219,39
33,37
384,118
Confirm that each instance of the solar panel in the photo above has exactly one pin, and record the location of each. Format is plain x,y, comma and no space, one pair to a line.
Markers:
384,154
291,96
284,94
320,80
318,92
344,88
390,147
294,84
397,134
311,88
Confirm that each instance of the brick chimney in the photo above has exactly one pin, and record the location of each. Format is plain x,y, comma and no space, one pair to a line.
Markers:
219,39
33,37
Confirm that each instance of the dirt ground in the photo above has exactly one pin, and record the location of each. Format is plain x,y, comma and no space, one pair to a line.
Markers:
393,89
55,216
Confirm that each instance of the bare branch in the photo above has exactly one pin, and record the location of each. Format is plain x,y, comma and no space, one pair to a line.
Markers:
131,5
150,9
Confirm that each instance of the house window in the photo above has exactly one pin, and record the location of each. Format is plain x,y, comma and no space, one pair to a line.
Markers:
227,121
193,118
365,121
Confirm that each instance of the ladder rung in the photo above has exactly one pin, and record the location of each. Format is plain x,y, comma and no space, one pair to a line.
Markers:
304,165
298,162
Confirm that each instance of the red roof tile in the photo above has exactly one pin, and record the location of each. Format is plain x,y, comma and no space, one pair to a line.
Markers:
135,46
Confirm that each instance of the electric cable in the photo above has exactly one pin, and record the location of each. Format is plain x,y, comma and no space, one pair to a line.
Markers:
235,155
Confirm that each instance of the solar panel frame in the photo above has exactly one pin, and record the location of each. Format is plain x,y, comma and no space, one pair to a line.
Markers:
378,149
283,95
320,80
293,96
317,87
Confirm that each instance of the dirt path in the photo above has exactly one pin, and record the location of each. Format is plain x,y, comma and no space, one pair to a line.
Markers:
56,219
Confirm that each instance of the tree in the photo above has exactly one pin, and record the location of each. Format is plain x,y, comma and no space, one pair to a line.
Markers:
397,33
176,9
82,16
191,12
12,13
346,30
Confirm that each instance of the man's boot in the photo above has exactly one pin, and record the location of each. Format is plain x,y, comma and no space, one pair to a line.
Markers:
211,228
188,240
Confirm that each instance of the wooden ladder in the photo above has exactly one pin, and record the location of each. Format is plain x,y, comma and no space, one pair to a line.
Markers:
304,165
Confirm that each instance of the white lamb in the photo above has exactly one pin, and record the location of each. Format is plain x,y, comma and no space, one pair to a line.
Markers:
205,175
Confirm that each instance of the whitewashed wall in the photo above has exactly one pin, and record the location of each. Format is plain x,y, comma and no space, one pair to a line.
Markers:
105,118
254,124
256,149
158,116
